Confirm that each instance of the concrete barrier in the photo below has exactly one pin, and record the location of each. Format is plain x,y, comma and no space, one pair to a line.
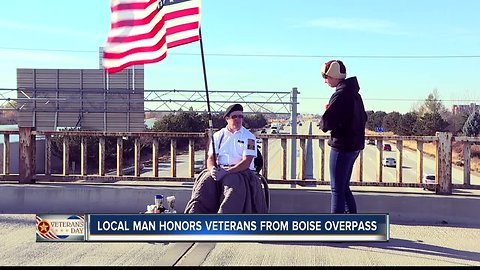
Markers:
133,198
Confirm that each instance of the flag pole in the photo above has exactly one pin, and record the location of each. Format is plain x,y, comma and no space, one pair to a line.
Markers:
210,119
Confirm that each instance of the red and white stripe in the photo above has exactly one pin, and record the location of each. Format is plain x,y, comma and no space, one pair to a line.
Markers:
141,34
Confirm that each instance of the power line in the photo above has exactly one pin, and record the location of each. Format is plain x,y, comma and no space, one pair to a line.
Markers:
340,56
271,55
45,50
400,99
14,90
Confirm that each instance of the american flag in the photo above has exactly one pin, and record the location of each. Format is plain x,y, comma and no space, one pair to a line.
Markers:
143,30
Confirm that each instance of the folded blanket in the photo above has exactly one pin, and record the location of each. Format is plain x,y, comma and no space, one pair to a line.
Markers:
236,193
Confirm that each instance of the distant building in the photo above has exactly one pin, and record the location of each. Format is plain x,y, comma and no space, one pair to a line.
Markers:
465,109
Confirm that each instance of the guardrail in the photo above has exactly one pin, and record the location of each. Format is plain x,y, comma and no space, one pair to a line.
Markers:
27,148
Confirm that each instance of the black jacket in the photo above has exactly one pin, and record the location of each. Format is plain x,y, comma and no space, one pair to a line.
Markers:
346,117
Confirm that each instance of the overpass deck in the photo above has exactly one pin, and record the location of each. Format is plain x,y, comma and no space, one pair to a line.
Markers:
426,229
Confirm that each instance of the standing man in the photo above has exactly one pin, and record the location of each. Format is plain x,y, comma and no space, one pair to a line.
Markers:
345,116
230,184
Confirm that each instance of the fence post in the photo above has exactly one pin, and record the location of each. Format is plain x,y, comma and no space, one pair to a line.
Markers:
466,163
101,156
419,161
66,155
283,144
379,160
26,155
303,155
359,166
208,144
265,157
443,162
6,154
83,156
155,155
119,156
173,157
191,157
321,153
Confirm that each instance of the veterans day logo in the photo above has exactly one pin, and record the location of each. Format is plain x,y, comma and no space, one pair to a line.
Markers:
60,228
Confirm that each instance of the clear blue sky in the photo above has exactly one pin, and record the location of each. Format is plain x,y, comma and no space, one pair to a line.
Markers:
67,34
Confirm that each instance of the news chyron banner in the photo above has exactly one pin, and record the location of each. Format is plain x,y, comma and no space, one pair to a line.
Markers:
219,227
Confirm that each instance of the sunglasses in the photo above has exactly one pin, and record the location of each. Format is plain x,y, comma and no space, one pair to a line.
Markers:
236,116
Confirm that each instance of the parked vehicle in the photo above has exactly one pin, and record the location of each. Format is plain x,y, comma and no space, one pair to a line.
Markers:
387,147
389,162
199,166
371,141
429,179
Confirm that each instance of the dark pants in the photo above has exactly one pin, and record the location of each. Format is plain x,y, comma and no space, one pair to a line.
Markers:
341,166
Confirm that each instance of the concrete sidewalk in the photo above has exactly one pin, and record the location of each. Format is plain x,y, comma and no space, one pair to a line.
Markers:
410,245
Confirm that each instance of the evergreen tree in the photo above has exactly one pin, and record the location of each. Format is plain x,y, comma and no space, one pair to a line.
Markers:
370,125
471,127
390,121
406,124
429,124
375,120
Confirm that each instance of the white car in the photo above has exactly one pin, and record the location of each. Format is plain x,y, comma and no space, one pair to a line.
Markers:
199,166
389,162
429,179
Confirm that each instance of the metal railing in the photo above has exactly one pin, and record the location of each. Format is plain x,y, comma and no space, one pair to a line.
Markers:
27,166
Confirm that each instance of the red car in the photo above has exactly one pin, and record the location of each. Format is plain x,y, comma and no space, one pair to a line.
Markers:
387,147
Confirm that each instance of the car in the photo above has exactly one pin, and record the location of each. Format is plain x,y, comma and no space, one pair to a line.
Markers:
429,179
389,162
198,166
371,141
387,147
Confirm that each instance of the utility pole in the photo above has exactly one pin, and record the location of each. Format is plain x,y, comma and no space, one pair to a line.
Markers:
293,131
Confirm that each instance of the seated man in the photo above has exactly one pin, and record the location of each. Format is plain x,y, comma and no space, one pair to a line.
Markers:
232,186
